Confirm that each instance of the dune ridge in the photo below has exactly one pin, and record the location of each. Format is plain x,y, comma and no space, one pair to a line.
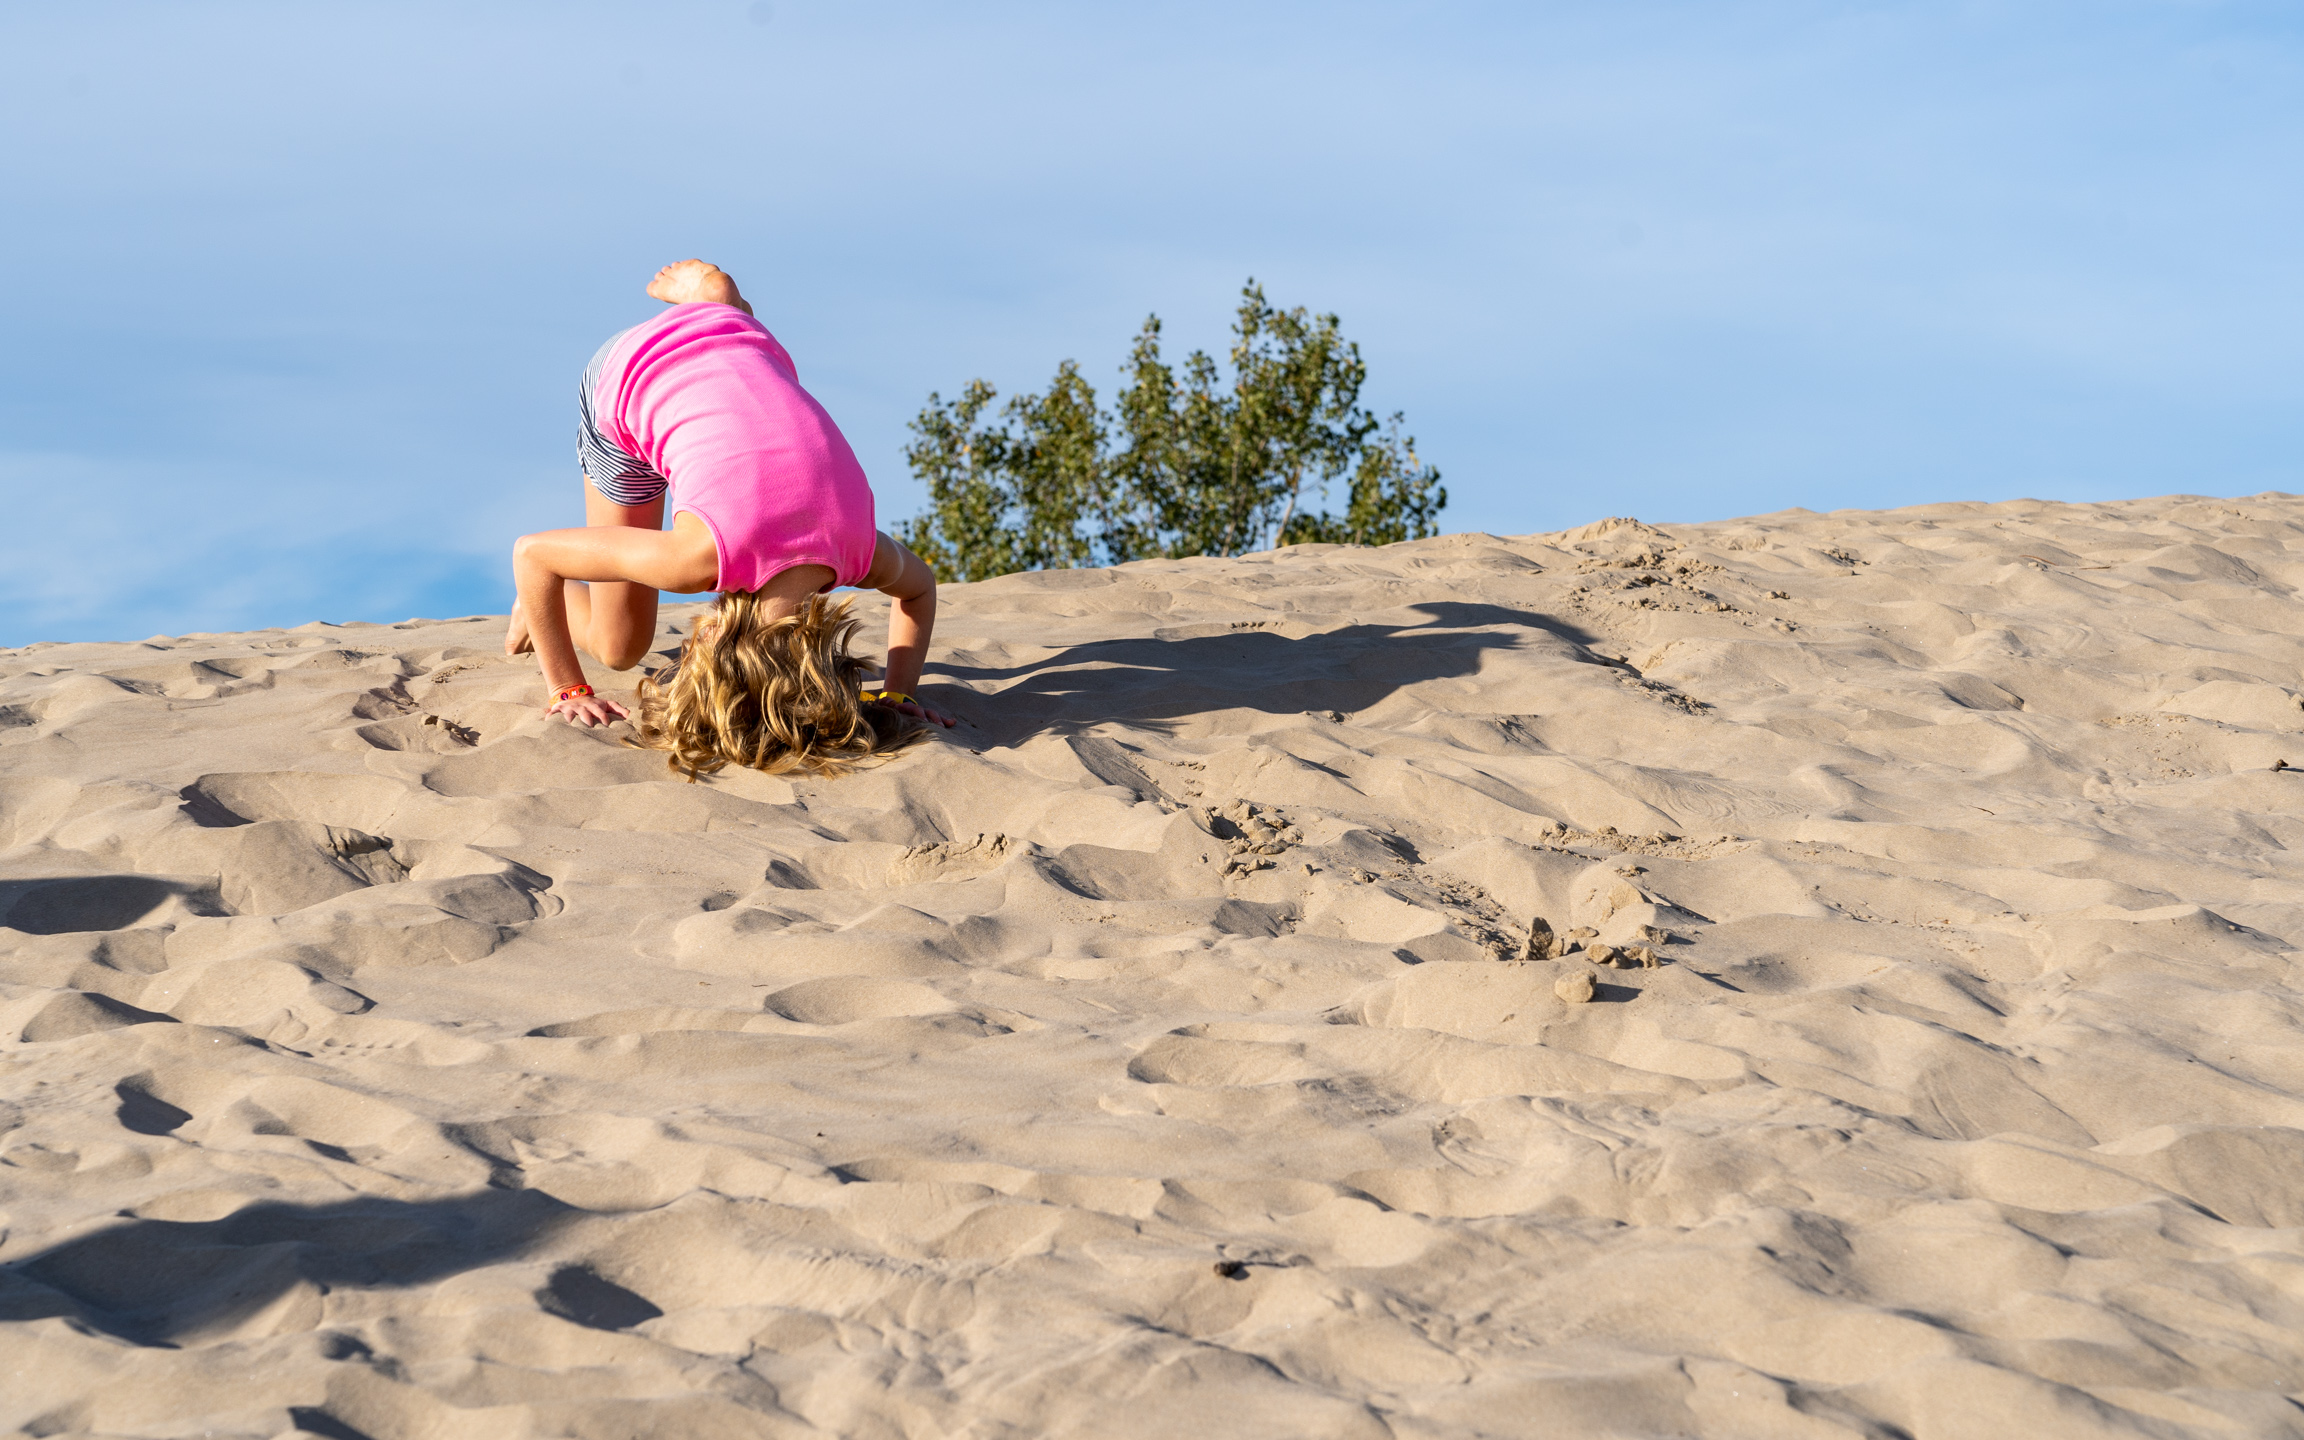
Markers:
1165,1050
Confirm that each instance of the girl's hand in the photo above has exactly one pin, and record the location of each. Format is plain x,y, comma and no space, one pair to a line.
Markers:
919,711
587,710
907,706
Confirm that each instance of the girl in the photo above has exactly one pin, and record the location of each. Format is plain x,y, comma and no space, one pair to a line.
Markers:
769,507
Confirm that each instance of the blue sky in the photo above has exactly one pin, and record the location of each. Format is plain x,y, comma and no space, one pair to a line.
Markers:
300,290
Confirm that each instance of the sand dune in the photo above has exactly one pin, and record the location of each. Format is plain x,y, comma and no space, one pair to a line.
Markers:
1159,1054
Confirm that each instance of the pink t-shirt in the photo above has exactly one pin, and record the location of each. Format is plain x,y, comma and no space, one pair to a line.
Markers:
705,395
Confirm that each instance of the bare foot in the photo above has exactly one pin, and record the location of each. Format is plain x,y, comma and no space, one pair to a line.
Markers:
685,282
516,641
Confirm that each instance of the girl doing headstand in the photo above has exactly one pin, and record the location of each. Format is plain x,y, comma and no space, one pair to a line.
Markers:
701,409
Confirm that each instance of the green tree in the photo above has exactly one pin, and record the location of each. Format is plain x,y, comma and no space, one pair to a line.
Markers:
1394,497
1208,465
1024,492
965,534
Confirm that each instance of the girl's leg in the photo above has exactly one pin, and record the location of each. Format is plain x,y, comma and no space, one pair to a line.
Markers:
614,620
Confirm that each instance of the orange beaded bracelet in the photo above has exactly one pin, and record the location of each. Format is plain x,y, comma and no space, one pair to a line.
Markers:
569,692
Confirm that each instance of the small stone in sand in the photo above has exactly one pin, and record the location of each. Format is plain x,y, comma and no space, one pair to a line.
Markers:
1575,987
1231,1269
1542,943
1600,954
1642,955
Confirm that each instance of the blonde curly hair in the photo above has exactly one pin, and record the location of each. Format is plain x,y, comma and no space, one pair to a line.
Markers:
778,695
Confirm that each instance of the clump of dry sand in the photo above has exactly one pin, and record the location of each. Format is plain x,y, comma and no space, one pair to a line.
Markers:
1160,1053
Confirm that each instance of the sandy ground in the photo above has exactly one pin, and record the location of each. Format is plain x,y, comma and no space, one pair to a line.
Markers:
1157,1055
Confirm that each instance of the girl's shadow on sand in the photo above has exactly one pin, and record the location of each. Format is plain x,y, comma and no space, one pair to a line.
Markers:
1151,680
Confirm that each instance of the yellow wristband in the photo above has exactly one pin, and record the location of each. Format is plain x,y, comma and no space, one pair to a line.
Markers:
886,697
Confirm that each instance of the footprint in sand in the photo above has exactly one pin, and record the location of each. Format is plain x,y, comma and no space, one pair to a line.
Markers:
950,860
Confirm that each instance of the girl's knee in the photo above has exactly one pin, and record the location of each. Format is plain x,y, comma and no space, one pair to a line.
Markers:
626,657
617,651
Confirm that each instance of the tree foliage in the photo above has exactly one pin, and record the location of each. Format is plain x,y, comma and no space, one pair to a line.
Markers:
1185,463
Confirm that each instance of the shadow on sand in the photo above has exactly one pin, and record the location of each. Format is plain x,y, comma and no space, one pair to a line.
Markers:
156,1282
64,904
1151,679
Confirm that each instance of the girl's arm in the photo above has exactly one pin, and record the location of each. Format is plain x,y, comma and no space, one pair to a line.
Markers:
665,559
906,578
